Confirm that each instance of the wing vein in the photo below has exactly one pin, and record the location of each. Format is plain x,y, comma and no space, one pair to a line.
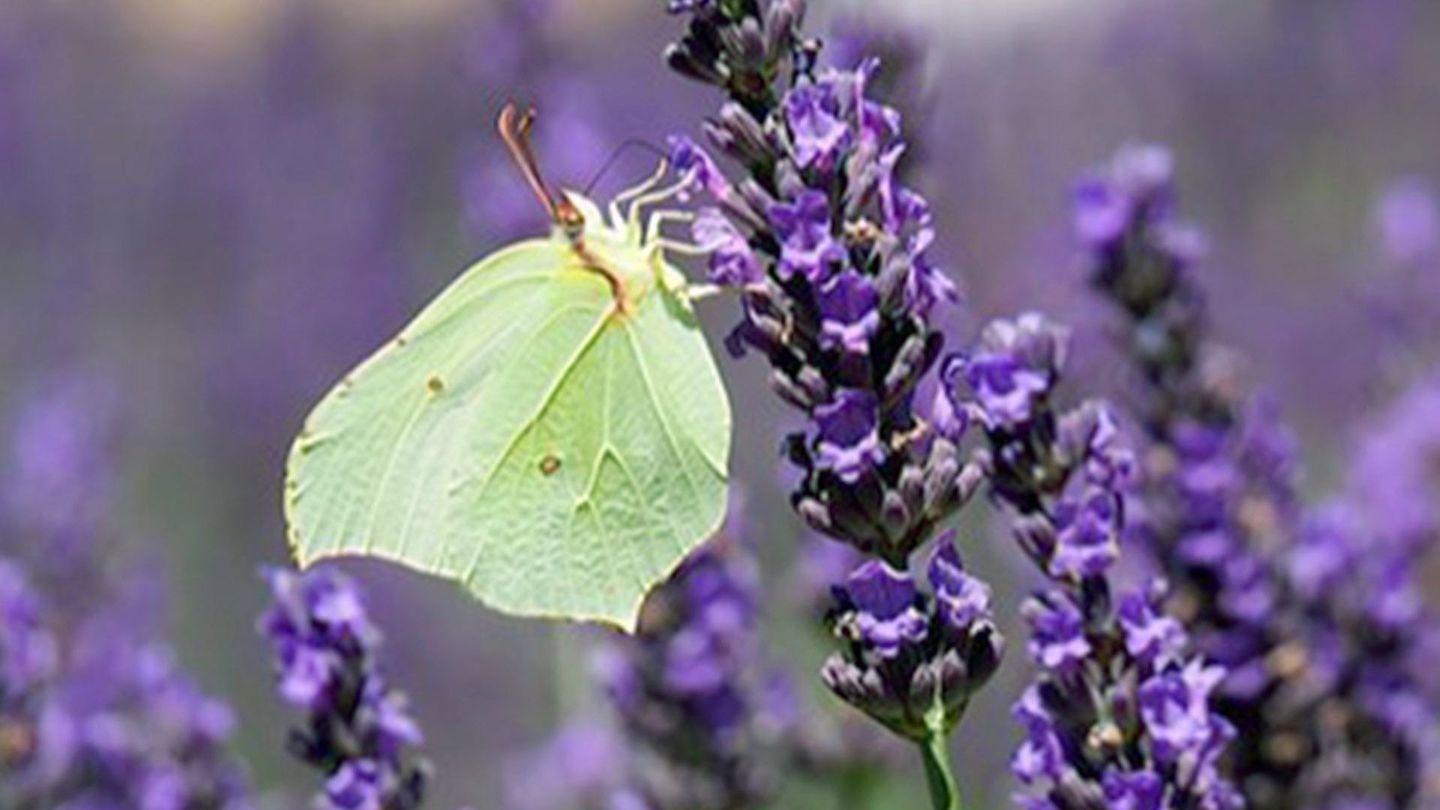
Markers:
657,407
451,363
539,411
384,480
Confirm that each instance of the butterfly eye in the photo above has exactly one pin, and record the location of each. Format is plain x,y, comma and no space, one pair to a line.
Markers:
570,220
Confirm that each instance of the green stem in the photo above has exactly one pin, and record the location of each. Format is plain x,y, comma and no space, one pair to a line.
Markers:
855,785
935,751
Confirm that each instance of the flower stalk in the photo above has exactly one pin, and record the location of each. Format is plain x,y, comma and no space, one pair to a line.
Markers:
939,776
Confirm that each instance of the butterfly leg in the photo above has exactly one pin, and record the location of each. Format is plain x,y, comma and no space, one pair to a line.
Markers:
696,292
617,217
642,202
660,220
674,281
689,249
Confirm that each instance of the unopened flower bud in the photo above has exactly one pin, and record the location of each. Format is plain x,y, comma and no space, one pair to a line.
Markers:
788,390
681,60
781,23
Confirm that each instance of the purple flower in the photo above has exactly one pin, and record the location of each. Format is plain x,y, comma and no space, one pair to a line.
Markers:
1208,486
844,243
695,164
695,707
1063,474
1146,172
1323,552
689,6
732,261
1101,214
879,123
1092,432
1057,637
588,762
395,727
339,611
306,675
848,314
1248,588
950,418
817,132
884,599
1392,478
1151,636
357,785
323,609
906,213
1174,706
1134,790
1005,390
357,728
317,624
907,216
962,599
1267,602
1013,368
808,247
1087,541
103,715
1408,219
848,443
926,285
1041,757
1138,185
694,664
28,652
906,644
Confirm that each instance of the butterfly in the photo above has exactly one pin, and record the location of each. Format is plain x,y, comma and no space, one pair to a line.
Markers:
550,431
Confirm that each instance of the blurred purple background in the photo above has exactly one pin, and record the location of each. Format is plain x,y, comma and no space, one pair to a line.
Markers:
208,210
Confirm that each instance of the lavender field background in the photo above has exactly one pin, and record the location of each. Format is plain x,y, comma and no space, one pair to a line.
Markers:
208,211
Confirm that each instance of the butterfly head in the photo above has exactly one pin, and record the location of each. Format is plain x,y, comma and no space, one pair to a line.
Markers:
625,250
570,221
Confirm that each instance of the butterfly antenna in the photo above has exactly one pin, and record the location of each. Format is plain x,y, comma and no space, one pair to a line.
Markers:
515,129
619,152
515,132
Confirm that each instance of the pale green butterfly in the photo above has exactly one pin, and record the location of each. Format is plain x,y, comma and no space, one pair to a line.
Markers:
551,431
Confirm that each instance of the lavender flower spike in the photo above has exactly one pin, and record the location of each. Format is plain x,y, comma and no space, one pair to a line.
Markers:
98,717
843,314
842,305
1121,713
695,707
1315,615
29,659
358,730
586,766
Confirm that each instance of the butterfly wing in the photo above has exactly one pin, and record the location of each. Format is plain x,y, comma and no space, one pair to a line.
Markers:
519,436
